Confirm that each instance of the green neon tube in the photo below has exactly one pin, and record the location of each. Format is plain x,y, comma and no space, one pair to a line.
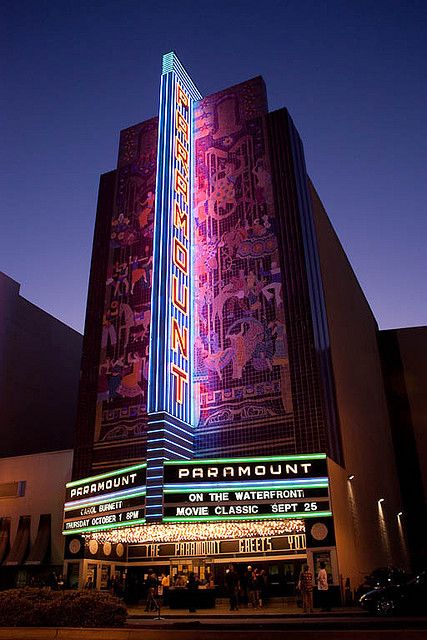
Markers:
310,456
291,516
101,527
110,474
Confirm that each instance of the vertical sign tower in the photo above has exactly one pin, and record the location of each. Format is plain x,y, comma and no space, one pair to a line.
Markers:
170,388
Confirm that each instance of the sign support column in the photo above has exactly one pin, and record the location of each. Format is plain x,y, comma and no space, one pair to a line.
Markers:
170,388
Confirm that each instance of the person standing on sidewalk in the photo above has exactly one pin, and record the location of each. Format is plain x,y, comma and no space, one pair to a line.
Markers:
262,587
251,587
305,585
192,586
323,588
165,584
232,582
151,588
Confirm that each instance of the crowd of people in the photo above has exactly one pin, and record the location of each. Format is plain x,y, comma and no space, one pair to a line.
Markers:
248,588
157,588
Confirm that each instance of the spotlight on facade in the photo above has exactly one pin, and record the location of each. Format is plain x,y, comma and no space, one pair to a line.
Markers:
350,477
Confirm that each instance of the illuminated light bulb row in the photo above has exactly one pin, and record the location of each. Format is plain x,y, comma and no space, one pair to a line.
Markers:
190,532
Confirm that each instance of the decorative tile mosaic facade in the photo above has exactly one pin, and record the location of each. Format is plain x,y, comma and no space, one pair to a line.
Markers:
256,376
241,354
123,369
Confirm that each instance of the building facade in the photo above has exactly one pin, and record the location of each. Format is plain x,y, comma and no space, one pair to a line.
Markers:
404,353
31,503
216,359
39,374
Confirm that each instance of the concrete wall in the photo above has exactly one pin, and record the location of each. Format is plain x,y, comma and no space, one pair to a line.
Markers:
404,354
367,533
45,475
39,374
413,352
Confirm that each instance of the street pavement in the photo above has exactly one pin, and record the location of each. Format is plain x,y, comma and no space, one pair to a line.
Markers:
274,623
195,630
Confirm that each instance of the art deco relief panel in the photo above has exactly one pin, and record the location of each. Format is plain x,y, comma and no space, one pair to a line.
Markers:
123,369
241,355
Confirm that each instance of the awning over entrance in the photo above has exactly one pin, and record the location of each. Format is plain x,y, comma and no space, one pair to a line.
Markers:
41,549
4,537
21,544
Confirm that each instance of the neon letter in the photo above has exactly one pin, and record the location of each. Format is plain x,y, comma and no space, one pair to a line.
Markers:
180,219
180,256
182,125
179,304
180,377
181,97
181,153
181,185
179,339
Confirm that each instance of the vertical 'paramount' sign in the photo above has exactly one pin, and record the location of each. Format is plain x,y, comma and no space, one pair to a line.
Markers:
181,247
171,325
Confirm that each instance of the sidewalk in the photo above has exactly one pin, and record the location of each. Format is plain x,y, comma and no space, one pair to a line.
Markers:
221,611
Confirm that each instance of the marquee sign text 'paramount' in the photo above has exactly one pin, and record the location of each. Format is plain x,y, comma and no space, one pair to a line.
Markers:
109,500
246,488
246,470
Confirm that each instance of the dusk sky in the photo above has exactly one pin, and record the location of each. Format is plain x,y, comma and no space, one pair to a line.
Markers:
351,73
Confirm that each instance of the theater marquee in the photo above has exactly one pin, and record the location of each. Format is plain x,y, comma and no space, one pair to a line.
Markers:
106,501
273,546
246,488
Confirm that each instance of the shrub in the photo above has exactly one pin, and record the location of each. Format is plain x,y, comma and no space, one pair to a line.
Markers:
46,608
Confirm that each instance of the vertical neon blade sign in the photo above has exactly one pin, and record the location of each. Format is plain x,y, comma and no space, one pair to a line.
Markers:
171,332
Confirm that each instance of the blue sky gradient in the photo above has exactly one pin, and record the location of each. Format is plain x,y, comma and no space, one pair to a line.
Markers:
352,74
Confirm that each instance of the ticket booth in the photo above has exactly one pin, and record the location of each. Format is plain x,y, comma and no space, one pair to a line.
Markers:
180,569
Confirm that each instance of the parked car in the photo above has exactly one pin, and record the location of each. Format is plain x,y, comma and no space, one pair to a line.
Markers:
410,597
382,577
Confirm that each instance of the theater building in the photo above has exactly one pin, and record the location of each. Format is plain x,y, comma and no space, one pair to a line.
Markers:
231,403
